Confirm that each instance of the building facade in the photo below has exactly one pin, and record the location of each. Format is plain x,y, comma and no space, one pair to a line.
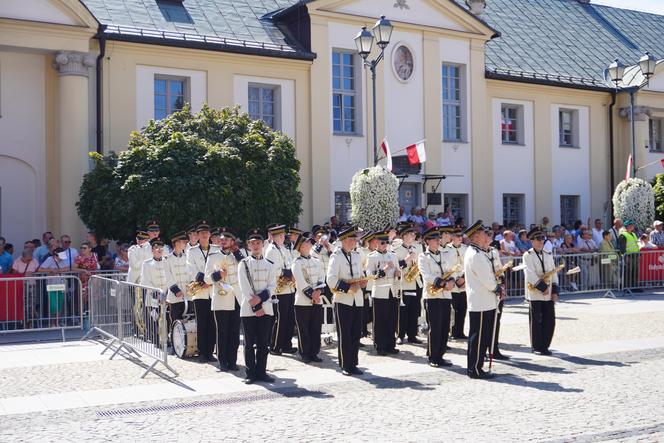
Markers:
512,103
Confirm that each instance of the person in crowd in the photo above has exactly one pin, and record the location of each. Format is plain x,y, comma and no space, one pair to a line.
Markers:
616,230
558,237
431,221
568,246
70,253
507,245
657,234
6,260
53,265
545,223
334,222
586,245
609,261
522,242
42,250
645,243
96,248
446,218
85,263
628,244
597,231
29,245
403,217
122,260
25,265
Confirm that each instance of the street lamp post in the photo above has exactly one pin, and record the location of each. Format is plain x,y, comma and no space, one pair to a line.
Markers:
381,32
616,71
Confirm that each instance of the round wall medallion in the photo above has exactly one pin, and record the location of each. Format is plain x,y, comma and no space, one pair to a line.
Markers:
402,62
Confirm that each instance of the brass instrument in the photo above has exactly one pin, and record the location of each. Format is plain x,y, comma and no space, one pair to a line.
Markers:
194,288
412,272
434,290
283,282
546,277
504,268
220,287
353,281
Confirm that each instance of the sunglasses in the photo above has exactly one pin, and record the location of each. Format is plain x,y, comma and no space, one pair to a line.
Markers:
66,241
383,242
540,238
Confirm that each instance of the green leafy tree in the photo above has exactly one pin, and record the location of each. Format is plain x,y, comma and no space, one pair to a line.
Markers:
374,197
658,188
217,165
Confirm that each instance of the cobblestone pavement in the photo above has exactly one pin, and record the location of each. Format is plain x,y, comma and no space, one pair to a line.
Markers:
603,383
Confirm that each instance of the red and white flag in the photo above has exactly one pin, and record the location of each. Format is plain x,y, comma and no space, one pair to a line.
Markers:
388,154
416,153
662,162
630,166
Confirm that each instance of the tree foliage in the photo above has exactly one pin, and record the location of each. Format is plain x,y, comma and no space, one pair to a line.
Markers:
374,196
217,165
658,188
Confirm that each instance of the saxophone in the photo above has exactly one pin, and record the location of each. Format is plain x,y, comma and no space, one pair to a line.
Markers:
352,281
434,290
412,272
546,277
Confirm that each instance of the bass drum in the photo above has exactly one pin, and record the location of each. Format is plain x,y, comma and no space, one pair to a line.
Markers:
185,342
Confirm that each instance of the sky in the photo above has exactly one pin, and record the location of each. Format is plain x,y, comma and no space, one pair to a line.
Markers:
654,6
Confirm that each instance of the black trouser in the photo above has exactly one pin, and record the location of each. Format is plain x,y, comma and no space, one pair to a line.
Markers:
439,327
175,312
284,323
228,335
542,315
204,327
479,338
309,321
256,333
349,329
367,314
496,350
385,312
460,304
631,270
410,313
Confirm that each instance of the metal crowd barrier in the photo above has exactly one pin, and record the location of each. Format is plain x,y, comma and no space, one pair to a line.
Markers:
131,317
644,270
46,302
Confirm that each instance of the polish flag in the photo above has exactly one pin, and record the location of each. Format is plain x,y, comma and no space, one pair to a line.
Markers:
662,162
630,165
416,153
388,154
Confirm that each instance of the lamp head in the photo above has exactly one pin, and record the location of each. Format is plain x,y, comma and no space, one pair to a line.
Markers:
382,32
364,42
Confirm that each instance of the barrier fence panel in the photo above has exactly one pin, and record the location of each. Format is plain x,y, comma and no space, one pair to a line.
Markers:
45,302
597,272
644,270
514,280
143,324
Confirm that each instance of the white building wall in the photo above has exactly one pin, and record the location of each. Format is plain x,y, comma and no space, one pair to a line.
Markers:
513,165
571,166
22,147
286,106
145,90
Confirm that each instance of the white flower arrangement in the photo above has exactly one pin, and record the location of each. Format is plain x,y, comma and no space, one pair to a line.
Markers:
374,196
634,200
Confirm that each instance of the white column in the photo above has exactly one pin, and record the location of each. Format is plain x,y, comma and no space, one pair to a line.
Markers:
72,134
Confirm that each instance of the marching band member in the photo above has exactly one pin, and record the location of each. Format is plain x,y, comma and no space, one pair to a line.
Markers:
257,280
483,289
434,263
221,272
407,252
197,258
153,274
192,235
322,251
309,282
459,302
367,244
384,266
342,273
542,294
282,260
215,237
293,234
137,255
177,274
497,263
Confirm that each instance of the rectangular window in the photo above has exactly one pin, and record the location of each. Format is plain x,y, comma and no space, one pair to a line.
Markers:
344,93
513,205
656,125
568,128
170,95
342,206
459,205
264,104
569,209
511,124
453,103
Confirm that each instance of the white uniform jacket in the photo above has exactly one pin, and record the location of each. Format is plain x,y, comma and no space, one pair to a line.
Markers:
255,275
536,265
177,276
402,251
321,253
481,283
196,260
153,274
458,253
433,266
364,259
308,273
137,255
345,267
386,281
281,259
216,262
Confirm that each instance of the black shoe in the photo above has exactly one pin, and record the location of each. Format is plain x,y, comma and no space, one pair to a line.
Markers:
306,360
434,364
316,359
249,381
444,362
290,351
232,367
472,374
400,341
202,359
211,358
460,337
265,378
275,352
361,345
447,348
547,352
223,367
381,353
416,341
345,372
486,375
356,371
393,351
499,356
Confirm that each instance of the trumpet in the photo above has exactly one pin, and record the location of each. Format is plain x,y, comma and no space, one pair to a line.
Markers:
194,288
504,268
411,274
434,290
546,277
221,291
283,282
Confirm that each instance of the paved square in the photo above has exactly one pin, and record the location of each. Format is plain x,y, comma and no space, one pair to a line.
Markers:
603,383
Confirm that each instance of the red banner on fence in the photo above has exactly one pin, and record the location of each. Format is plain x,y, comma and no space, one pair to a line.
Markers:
651,265
11,298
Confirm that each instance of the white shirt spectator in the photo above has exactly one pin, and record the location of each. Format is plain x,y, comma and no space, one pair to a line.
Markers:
509,246
597,235
587,245
403,218
444,221
70,254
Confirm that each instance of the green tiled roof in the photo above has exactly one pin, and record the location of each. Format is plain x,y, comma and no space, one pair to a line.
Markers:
566,41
